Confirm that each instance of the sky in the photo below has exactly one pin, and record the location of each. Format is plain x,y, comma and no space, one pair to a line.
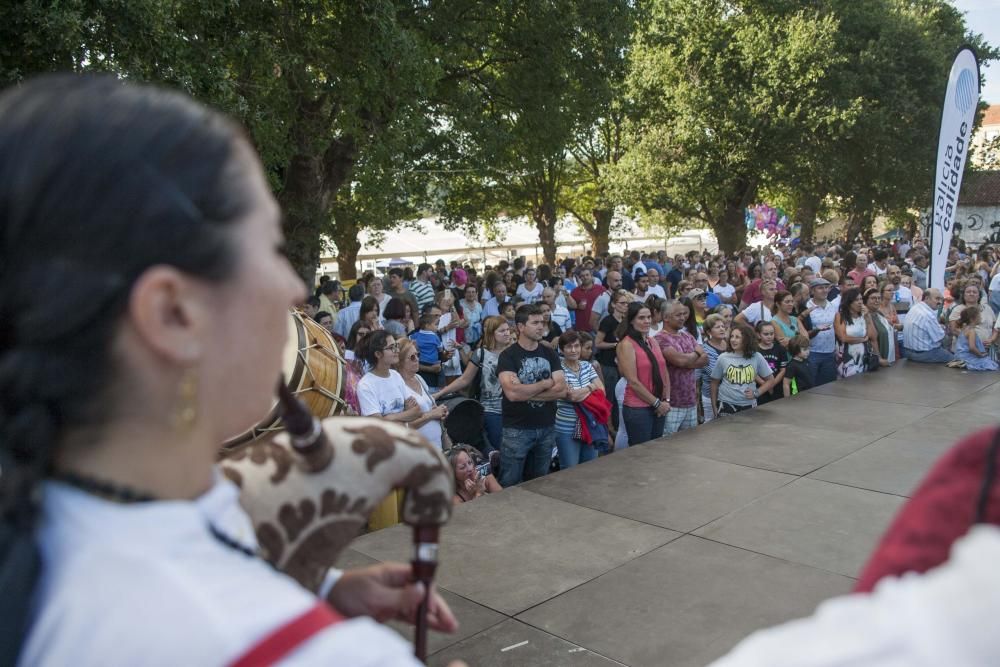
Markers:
983,16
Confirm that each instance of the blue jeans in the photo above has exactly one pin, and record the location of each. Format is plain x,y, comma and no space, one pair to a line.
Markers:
494,428
573,451
938,355
525,448
824,366
642,424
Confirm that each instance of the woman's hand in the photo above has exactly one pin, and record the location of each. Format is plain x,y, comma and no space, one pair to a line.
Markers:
662,409
438,412
470,485
386,591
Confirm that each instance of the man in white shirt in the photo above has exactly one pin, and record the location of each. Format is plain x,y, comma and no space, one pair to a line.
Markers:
655,288
600,309
492,306
922,333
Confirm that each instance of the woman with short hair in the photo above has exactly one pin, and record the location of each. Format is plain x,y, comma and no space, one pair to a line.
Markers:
581,382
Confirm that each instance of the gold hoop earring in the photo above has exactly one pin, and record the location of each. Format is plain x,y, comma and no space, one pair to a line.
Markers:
187,393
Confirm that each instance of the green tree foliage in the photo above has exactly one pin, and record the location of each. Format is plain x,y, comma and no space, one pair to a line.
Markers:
537,81
331,91
724,93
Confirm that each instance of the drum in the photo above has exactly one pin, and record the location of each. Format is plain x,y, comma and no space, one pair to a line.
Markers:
314,371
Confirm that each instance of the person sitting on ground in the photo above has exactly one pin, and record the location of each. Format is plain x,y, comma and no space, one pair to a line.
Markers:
970,297
922,334
470,482
969,346
799,374
738,373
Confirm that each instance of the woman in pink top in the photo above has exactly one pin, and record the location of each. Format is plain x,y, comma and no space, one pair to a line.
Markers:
647,393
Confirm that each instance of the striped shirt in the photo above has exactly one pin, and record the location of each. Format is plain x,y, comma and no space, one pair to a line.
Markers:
566,416
921,331
705,372
423,293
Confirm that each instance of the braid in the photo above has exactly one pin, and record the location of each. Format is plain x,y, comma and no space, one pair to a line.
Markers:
98,182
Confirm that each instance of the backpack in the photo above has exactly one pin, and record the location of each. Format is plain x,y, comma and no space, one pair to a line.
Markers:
476,388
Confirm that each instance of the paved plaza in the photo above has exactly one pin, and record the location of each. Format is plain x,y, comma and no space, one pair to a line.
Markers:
671,552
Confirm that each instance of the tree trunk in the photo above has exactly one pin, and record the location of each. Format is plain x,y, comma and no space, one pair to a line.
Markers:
600,240
805,215
859,224
301,199
347,239
731,230
545,222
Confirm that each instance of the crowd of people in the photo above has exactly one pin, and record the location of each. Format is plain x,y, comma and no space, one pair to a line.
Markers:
593,354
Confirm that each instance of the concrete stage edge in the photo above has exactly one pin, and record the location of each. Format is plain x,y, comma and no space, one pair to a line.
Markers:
671,552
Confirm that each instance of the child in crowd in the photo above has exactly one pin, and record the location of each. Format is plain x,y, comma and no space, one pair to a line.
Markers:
429,347
738,372
969,346
799,375
507,312
775,356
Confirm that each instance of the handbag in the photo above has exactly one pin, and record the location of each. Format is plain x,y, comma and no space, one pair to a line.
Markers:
870,360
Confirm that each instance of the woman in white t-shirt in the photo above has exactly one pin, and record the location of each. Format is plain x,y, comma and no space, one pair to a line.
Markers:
429,423
381,391
762,310
530,291
376,289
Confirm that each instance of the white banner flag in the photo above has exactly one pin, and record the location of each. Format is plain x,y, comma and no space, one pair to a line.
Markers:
957,116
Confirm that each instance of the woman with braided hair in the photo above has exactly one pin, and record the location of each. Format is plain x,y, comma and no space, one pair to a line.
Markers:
147,218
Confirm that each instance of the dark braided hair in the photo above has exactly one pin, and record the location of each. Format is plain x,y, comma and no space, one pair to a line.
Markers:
99,181
627,329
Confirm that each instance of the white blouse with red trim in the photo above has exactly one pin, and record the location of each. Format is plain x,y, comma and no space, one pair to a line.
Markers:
147,584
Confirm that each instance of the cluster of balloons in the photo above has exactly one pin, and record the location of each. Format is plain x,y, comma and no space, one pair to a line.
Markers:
771,221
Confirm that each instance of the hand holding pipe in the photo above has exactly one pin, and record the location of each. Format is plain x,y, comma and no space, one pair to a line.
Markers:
310,490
